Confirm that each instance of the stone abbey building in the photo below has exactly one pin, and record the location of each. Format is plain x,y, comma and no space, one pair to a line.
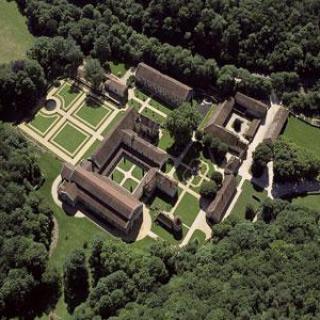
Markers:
89,187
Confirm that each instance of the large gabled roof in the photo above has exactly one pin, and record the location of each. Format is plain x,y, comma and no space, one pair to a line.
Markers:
168,85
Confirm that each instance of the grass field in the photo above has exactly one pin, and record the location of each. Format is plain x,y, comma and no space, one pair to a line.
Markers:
92,149
166,141
68,94
134,104
199,235
70,138
303,135
117,176
309,201
15,37
130,185
125,164
187,209
43,122
249,195
160,106
118,69
93,114
156,117
138,172
74,233
140,95
113,123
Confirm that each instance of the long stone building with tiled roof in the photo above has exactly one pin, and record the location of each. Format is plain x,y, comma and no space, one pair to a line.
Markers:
277,124
218,207
167,89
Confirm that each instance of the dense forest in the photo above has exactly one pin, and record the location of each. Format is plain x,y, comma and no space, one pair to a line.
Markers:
266,44
27,285
265,270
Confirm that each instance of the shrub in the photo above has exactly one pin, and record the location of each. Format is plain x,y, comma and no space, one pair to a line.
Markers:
237,125
250,212
217,177
208,189
199,135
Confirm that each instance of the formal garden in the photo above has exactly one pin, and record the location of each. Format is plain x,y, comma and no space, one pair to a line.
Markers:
76,124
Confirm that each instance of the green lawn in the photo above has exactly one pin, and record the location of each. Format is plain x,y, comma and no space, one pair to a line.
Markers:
303,135
309,201
70,138
156,117
93,114
117,176
74,233
69,94
160,106
134,104
113,123
92,149
130,185
166,141
199,235
15,37
43,122
140,95
166,235
249,195
125,164
118,69
143,245
138,172
188,209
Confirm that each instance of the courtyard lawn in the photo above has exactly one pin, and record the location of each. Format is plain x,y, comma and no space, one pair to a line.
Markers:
166,141
70,138
303,135
199,235
166,235
161,202
309,201
117,176
42,122
130,185
93,114
138,172
15,37
73,233
156,117
113,123
118,69
160,106
68,93
134,104
140,95
249,195
188,209
125,164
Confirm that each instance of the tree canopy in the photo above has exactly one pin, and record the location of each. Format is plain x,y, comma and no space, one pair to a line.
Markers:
27,285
